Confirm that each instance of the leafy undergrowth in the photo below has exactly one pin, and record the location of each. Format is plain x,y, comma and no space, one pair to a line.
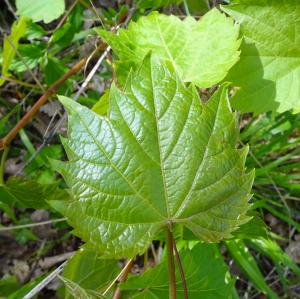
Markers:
151,144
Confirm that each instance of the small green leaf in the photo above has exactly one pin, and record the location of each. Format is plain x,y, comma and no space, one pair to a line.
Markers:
205,271
10,45
162,157
270,55
31,54
201,52
41,10
64,35
198,6
30,194
255,228
89,271
101,107
34,31
54,69
155,4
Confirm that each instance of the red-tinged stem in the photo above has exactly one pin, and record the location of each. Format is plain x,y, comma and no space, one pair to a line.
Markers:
180,266
171,265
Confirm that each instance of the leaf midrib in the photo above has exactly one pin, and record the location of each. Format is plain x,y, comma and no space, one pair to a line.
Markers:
114,166
158,145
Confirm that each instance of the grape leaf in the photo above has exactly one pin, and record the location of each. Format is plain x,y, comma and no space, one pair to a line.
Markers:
206,277
202,51
161,157
269,67
41,10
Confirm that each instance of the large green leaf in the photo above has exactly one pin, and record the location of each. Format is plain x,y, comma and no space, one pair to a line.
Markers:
269,69
41,10
206,277
202,51
162,157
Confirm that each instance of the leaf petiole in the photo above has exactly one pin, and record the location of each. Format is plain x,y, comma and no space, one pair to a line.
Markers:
171,265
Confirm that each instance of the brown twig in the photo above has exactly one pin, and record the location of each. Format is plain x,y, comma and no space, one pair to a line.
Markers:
126,270
4,142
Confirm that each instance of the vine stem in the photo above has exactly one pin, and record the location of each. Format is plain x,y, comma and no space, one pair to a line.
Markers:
171,264
181,270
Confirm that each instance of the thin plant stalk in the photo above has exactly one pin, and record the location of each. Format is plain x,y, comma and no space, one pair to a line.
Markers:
181,270
126,268
171,265
2,165
145,260
123,278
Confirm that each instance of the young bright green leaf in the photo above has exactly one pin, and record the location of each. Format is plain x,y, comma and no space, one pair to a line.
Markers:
89,272
11,44
162,157
206,276
201,52
41,10
269,68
